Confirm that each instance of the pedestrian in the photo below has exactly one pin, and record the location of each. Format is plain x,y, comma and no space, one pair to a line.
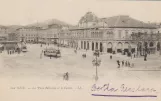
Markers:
8,51
75,51
122,63
42,51
126,63
40,55
18,51
66,76
110,56
118,62
132,65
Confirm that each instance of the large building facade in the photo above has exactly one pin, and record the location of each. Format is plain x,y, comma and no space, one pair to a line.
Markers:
38,34
113,34
117,34
3,33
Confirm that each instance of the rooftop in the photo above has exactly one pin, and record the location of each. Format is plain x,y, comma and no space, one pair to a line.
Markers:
119,21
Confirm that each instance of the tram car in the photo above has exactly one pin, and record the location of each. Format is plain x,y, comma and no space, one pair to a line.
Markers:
51,52
23,47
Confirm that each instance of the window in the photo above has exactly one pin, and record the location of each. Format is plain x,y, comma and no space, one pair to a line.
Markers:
81,44
126,33
119,36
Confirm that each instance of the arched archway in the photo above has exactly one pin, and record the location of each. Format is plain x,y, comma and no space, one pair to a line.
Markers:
151,44
158,46
146,44
109,47
81,44
101,47
145,48
92,46
87,45
119,47
139,48
84,44
127,47
96,45
151,48
133,47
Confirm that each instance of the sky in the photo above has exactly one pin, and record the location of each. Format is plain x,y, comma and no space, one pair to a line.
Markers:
22,12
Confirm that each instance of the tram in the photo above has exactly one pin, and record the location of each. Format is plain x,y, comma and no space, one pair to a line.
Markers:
52,52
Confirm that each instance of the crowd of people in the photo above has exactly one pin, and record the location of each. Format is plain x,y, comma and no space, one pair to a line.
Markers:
13,51
123,63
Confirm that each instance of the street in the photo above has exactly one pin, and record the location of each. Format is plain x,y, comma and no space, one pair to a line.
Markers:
31,65
26,76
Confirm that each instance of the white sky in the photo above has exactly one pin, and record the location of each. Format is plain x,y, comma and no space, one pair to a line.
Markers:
29,11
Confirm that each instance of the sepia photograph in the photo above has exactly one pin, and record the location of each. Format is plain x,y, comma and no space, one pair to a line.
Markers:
80,50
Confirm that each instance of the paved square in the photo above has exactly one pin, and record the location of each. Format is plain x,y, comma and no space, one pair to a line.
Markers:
31,65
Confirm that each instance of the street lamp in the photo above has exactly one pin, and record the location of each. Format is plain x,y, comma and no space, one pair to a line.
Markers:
58,41
96,62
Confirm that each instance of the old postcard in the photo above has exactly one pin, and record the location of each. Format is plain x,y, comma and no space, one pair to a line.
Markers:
80,50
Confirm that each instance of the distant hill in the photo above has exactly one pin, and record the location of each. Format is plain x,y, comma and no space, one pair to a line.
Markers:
50,23
14,26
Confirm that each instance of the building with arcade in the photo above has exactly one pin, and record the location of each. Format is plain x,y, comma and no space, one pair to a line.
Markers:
118,34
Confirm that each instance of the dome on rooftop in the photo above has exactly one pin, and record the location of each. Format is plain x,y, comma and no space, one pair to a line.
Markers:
89,17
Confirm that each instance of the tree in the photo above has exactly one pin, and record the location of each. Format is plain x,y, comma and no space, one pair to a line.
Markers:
158,38
137,37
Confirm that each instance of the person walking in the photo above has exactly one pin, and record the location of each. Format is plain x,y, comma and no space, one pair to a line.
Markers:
118,62
122,63
40,55
75,51
8,51
126,63
110,56
132,65
42,51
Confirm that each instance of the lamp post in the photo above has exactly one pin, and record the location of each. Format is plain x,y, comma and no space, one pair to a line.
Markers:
96,62
58,41
159,40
